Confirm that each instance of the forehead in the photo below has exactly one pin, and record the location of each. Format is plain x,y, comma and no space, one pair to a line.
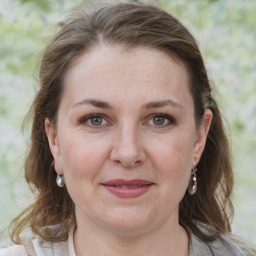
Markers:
103,54
113,70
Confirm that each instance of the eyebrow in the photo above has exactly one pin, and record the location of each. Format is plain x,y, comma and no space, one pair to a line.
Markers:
92,102
102,104
163,103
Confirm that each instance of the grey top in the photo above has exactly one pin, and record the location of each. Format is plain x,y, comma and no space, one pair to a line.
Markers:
222,246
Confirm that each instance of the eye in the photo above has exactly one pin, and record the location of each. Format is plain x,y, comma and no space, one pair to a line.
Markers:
94,120
161,120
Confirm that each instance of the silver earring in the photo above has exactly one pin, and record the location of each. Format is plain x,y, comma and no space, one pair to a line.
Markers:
60,180
192,185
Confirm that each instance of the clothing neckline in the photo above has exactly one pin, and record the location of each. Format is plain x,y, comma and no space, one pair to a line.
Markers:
71,246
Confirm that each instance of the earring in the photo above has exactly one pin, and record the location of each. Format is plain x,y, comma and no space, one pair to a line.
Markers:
192,185
60,180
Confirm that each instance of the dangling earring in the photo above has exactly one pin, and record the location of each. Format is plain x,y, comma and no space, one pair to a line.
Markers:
192,185
60,180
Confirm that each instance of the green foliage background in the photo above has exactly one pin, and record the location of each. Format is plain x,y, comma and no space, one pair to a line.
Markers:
226,33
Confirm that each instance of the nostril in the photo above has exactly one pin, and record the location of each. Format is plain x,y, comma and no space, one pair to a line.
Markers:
127,153
128,164
137,162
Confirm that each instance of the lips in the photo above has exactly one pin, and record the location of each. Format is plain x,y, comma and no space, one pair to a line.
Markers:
128,188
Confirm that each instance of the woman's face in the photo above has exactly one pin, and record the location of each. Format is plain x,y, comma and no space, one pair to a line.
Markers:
126,138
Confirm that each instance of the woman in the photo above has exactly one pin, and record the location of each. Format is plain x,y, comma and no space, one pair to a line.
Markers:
128,153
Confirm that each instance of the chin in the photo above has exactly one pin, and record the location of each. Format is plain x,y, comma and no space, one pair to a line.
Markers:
129,223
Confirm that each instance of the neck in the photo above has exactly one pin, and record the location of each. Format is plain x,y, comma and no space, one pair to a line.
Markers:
167,240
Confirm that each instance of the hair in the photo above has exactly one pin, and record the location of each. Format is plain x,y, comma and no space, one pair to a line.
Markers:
130,25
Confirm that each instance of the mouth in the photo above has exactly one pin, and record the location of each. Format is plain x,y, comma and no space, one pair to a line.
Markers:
128,188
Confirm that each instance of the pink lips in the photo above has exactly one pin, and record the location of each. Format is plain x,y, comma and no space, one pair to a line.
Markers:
128,188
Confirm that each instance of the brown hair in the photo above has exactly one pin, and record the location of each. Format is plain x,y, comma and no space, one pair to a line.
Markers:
130,25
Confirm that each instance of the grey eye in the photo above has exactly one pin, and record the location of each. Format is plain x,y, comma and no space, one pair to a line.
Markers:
159,120
96,121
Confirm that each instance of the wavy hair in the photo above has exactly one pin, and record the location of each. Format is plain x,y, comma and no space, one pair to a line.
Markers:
131,25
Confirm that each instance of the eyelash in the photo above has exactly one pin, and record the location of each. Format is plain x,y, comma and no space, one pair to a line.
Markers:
87,118
170,119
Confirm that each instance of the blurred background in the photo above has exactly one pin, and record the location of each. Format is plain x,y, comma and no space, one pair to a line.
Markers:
226,34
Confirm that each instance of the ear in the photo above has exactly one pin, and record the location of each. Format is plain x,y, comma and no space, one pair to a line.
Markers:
53,143
201,135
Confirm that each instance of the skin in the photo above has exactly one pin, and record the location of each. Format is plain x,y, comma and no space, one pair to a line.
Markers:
126,141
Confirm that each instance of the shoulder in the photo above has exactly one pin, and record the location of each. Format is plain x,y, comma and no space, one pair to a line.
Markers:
34,245
223,245
248,248
220,246
46,248
13,250
8,248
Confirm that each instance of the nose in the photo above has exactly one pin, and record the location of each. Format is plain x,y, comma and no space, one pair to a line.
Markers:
127,149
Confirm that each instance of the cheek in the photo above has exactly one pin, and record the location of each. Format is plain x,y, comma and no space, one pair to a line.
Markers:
82,156
173,159
83,159
177,150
